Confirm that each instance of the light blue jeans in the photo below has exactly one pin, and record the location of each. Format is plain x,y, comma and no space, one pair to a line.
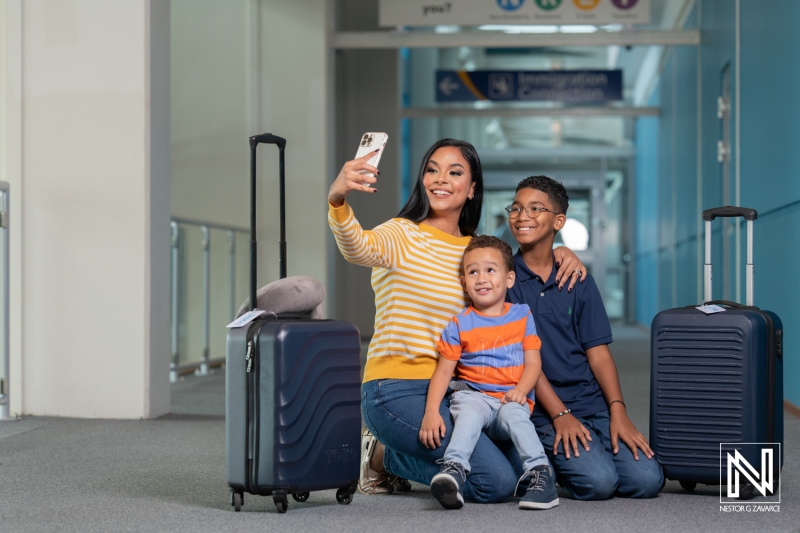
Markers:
474,412
393,411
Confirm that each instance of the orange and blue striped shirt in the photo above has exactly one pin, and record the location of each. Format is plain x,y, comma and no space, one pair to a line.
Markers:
490,348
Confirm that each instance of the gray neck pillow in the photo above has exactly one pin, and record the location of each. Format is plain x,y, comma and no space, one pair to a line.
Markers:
296,294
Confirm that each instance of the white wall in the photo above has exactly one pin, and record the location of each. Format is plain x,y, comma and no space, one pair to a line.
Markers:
239,68
89,172
86,111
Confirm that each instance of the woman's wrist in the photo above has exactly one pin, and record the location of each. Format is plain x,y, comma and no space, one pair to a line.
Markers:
336,201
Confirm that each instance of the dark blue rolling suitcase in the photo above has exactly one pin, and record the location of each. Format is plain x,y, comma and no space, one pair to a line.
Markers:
292,414
717,382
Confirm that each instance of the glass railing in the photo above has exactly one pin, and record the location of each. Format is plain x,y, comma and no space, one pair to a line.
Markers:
209,283
5,355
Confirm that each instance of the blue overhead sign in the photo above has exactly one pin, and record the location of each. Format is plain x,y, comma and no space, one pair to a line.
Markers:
573,86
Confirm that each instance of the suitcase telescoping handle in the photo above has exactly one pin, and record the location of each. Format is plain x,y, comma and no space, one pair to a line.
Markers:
255,140
725,212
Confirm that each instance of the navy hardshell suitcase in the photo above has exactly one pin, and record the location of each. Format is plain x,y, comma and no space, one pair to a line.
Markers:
292,392
717,382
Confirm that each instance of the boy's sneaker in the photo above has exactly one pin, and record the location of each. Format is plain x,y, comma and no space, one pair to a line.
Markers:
448,485
541,493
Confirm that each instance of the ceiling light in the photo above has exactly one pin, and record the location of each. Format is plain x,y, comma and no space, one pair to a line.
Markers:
578,28
519,28
445,28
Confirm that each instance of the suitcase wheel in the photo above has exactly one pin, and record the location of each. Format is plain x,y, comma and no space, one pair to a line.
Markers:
238,501
281,502
345,494
747,491
688,485
300,497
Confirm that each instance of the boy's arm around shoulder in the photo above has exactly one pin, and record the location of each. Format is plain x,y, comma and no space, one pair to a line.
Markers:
605,372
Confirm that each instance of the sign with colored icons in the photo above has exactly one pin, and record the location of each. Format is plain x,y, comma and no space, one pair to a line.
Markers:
573,86
501,12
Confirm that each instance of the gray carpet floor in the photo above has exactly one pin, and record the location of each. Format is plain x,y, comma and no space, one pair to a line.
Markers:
169,475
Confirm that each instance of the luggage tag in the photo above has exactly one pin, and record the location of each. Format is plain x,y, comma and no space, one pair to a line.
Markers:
246,318
710,309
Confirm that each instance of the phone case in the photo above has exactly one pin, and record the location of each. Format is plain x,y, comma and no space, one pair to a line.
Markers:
370,142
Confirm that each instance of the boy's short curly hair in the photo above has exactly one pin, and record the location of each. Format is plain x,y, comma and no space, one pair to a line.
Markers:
554,190
487,241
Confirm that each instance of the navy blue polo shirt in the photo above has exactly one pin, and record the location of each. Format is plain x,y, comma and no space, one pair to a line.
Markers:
568,323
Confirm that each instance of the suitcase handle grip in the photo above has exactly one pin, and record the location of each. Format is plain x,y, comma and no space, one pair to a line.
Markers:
271,315
750,215
729,304
255,140
730,211
268,138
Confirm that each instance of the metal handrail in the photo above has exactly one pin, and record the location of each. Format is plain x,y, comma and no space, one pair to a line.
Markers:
176,369
211,225
5,413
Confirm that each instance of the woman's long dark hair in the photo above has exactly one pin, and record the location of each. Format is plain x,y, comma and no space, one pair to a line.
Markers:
417,207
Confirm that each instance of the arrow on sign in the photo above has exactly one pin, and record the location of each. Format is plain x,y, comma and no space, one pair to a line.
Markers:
447,86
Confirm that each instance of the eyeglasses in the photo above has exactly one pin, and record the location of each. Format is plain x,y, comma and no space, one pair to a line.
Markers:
533,211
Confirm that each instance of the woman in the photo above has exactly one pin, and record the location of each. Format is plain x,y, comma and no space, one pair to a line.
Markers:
415,259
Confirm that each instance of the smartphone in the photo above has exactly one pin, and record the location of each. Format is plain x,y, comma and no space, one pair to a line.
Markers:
370,142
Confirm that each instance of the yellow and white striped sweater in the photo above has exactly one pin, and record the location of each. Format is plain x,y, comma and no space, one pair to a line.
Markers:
415,276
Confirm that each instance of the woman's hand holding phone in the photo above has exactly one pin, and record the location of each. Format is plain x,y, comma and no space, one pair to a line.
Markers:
360,173
353,177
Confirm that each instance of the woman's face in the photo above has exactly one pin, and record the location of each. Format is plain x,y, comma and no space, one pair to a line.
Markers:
447,180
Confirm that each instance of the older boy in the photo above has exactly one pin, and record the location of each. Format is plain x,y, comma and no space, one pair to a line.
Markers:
578,395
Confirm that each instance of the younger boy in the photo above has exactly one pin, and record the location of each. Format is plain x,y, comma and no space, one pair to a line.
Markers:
579,398
493,347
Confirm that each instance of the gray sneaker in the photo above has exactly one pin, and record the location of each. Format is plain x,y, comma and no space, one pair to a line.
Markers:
448,485
541,493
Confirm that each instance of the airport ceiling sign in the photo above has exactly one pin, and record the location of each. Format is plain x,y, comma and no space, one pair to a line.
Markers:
573,86
533,12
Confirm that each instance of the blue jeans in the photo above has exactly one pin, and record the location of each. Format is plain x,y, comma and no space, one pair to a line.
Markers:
599,474
393,411
474,412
